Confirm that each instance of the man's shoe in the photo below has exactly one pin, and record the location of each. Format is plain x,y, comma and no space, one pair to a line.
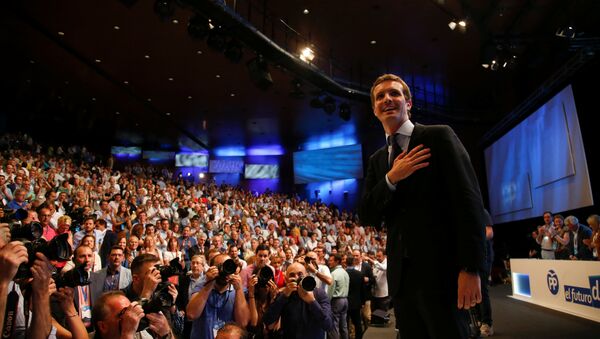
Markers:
486,330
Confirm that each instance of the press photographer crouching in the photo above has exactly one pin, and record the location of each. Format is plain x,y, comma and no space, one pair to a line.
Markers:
305,311
221,300
152,291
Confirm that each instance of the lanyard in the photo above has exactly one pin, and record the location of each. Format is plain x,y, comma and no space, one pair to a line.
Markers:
10,316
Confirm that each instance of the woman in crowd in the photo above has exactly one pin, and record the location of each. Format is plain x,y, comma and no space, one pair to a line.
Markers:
150,247
172,251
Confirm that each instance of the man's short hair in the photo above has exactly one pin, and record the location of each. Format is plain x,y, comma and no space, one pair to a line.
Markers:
232,330
390,77
350,260
101,222
101,310
115,247
262,247
140,260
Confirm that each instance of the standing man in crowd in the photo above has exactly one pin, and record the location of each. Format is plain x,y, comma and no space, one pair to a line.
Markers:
545,237
423,173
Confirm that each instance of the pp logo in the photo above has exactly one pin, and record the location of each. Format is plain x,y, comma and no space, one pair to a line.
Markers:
552,280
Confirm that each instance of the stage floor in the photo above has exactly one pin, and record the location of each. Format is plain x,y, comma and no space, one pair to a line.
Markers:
517,319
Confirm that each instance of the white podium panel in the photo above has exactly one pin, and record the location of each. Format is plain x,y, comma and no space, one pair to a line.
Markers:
569,286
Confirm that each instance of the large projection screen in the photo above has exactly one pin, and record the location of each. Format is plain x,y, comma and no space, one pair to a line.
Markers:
540,164
328,164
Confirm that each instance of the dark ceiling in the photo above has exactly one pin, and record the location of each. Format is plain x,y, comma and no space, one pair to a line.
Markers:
116,73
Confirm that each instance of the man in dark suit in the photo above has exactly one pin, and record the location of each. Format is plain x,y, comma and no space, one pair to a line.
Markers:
356,296
422,186
577,233
368,279
112,277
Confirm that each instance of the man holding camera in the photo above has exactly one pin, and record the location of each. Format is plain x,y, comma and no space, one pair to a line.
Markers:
321,273
304,314
115,316
221,300
145,280
262,260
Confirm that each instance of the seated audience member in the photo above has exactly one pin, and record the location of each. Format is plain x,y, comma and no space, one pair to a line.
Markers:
115,316
113,277
220,300
303,314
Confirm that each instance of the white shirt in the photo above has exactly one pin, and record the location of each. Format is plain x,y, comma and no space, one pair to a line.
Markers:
380,288
405,131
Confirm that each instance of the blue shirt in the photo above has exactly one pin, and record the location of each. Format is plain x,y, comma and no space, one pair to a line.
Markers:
217,311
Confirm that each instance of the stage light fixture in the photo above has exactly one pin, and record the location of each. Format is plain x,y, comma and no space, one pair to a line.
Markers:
198,27
217,39
258,69
566,32
329,105
164,9
452,25
345,111
297,91
234,51
307,55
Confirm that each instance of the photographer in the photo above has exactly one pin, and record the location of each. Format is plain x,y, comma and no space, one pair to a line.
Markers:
75,327
12,254
320,272
304,314
262,260
262,291
144,286
115,316
220,300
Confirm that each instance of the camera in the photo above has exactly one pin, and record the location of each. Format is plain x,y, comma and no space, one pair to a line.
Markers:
264,275
160,298
227,267
167,271
78,276
308,260
57,249
308,283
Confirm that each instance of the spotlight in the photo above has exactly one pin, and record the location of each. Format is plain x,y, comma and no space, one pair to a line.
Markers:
296,91
566,32
189,174
316,103
259,72
198,27
462,24
201,175
217,39
233,51
307,55
452,24
494,65
329,105
345,111
164,9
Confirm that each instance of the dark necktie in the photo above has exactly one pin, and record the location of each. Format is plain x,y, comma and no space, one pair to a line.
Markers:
392,140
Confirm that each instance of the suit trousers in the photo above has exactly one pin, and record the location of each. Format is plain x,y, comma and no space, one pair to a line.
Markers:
424,307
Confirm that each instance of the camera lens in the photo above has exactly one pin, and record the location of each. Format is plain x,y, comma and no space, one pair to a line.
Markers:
308,283
227,267
264,275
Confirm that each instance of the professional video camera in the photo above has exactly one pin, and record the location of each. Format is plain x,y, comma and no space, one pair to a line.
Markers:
264,275
78,276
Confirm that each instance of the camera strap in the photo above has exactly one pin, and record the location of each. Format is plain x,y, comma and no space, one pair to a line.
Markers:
10,316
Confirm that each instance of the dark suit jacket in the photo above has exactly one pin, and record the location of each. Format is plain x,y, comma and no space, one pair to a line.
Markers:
435,217
356,289
583,252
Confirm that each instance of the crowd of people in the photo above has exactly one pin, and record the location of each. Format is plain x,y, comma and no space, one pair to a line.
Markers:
566,238
136,252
